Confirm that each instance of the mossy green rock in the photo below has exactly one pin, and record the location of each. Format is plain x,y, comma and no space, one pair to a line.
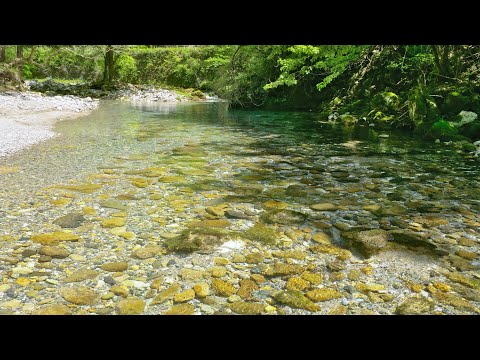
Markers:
462,279
54,238
415,306
147,252
247,308
55,252
180,309
81,275
455,301
442,130
284,217
117,266
456,102
410,238
421,108
247,286
196,239
114,222
113,204
166,294
387,101
79,295
57,309
282,269
223,288
324,207
70,221
368,242
184,296
261,233
323,294
130,306
295,299
297,284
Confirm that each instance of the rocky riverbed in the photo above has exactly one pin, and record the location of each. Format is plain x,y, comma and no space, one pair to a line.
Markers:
186,209
120,92
27,118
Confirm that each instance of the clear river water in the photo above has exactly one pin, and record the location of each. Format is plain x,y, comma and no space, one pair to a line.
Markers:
192,208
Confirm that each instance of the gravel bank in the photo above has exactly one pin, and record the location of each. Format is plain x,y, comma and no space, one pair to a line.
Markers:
27,118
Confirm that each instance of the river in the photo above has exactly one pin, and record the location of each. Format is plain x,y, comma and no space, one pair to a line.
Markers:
191,208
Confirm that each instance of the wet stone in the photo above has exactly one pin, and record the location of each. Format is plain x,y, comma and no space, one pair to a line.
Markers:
81,275
54,252
180,309
79,295
296,300
130,306
70,221
247,308
115,266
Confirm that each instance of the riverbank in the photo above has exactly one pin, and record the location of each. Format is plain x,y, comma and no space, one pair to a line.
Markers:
27,118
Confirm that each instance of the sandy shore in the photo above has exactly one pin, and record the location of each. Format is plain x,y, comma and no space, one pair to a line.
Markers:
28,118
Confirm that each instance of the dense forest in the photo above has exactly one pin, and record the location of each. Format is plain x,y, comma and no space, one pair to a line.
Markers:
430,89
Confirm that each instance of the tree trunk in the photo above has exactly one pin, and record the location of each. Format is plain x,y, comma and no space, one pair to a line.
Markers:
2,53
19,61
442,60
109,65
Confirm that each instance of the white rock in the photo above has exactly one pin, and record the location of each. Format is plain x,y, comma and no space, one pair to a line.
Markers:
466,118
231,245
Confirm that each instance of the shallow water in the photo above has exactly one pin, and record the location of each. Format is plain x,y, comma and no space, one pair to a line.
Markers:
203,154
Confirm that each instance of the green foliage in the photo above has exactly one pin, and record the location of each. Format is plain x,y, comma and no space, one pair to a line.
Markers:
186,66
443,130
28,70
67,62
126,69
325,62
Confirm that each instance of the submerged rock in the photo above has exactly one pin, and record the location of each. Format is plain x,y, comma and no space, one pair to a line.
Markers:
285,217
54,238
222,288
130,306
180,309
324,207
415,305
81,275
409,238
260,232
295,299
79,295
247,308
54,252
323,294
58,309
112,204
197,239
147,252
118,266
367,242
70,221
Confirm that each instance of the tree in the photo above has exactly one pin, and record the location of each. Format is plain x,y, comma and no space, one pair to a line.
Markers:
2,53
109,67
324,62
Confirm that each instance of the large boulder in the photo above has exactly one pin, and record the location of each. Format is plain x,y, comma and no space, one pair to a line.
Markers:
455,102
442,130
468,124
387,101
421,108
367,242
